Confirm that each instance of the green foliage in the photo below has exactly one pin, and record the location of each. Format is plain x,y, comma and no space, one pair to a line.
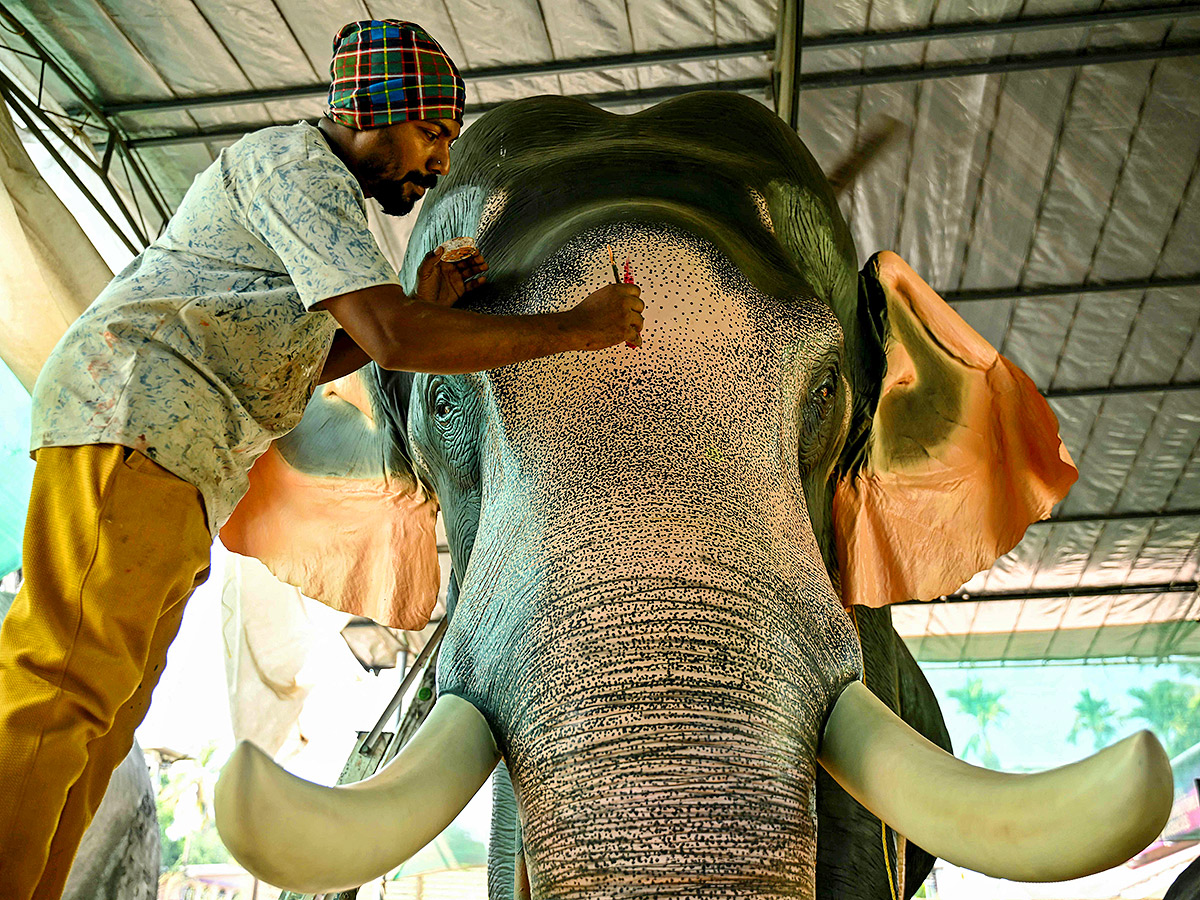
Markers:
202,847
1171,709
467,850
1093,716
987,710
172,851
454,848
185,818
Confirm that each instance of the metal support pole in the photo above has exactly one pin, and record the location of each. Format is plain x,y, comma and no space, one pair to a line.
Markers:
1102,590
26,112
787,61
368,745
92,110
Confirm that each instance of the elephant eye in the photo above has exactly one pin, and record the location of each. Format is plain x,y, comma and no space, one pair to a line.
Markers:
442,407
441,401
825,393
816,418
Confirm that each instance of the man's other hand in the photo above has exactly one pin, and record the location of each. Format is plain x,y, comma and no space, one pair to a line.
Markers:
443,282
610,315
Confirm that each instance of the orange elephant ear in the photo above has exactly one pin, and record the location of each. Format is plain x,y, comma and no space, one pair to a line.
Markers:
963,453
335,510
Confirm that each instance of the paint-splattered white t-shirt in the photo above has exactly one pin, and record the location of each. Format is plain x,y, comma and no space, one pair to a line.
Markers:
206,347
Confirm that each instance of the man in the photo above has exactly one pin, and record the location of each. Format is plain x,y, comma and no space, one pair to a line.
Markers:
203,350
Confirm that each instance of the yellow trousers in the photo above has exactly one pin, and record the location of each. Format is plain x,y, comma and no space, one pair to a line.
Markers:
114,545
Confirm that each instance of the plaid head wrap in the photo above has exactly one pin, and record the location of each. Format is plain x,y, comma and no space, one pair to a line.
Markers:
387,71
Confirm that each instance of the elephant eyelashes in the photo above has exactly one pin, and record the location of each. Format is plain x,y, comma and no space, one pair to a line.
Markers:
822,399
815,416
442,407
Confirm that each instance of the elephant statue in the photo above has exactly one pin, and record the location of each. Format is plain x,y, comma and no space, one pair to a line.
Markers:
119,855
675,561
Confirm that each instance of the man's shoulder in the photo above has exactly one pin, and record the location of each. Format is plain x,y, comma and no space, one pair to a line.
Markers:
296,148
280,143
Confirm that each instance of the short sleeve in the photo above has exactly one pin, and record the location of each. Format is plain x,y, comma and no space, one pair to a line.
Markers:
308,213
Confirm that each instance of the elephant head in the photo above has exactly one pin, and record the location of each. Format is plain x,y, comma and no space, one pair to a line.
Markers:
672,559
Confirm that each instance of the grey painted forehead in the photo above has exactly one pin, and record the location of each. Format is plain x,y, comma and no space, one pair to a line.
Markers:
717,376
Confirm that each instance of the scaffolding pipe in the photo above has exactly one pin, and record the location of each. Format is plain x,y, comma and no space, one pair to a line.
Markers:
787,62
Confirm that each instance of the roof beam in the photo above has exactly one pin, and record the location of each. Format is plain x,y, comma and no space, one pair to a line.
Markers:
1100,590
609,98
953,30
994,65
554,67
708,53
1117,389
843,78
1130,516
1062,290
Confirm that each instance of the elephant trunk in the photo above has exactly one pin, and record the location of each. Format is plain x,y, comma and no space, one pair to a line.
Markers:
312,839
1050,826
657,690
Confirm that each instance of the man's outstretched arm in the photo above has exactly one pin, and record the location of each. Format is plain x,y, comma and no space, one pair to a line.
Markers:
403,333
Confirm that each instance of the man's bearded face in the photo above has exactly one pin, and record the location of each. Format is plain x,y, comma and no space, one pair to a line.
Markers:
398,163
397,198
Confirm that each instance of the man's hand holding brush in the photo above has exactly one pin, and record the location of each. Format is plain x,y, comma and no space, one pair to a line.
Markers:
610,315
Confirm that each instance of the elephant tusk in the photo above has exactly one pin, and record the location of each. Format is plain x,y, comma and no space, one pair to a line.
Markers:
1050,826
307,838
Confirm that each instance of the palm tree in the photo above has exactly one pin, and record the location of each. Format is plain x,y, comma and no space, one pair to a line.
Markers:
1095,716
1172,710
986,709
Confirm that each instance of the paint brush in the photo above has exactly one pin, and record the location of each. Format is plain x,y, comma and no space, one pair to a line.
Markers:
617,276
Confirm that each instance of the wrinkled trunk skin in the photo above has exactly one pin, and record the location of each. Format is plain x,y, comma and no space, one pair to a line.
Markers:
646,620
